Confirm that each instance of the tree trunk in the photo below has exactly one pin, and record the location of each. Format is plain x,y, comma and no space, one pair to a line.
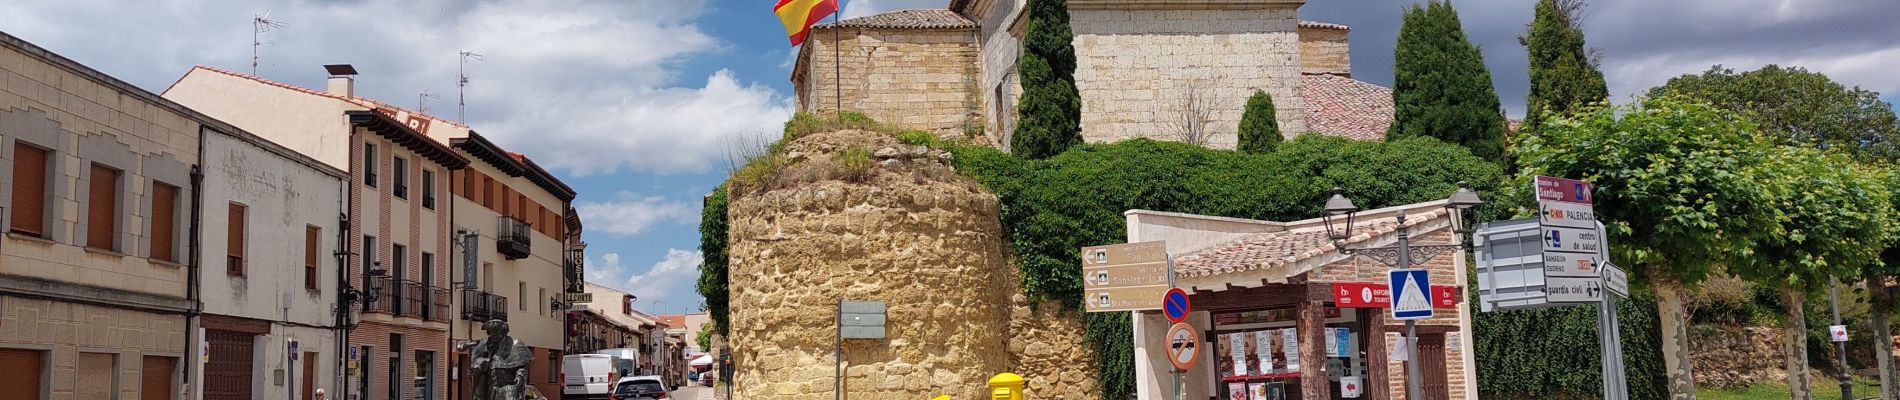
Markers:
1795,347
1883,336
1675,336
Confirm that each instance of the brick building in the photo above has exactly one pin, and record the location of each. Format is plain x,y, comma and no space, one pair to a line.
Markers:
953,70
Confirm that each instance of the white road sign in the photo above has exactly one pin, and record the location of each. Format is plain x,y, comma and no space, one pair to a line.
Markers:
1568,215
1837,333
1573,290
1572,239
1615,280
1559,263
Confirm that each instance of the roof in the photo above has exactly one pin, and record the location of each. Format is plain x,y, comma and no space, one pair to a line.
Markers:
1285,250
675,320
401,134
1324,25
358,100
1341,106
922,18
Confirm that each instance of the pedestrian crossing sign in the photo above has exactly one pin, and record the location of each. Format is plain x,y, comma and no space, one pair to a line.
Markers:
1411,294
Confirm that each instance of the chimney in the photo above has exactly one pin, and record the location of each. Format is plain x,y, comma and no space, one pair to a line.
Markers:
342,79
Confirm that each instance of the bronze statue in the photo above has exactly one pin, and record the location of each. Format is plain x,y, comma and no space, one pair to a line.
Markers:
500,365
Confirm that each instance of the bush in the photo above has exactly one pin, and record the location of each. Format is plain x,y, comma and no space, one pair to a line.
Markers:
1259,131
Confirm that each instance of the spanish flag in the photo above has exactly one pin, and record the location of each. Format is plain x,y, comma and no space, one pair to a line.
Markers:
798,15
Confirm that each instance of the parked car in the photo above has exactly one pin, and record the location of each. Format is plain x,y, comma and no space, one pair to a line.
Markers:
640,388
706,379
589,376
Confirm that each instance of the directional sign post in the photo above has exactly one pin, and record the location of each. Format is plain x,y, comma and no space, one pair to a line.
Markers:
1614,280
1411,293
1175,305
1184,349
1125,277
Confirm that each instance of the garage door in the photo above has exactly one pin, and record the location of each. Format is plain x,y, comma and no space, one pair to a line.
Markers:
228,375
22,377
155,380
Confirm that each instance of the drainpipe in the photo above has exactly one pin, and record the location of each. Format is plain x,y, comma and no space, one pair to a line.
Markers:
194,303
342,286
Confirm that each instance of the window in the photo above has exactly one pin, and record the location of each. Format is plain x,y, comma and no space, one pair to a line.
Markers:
428,269
428,189
102,209
29,189
400,170
398,268
626,304
554,373
369,164
234,241
488,192
369,256
311,235
467,191
164,222
521,295
544,297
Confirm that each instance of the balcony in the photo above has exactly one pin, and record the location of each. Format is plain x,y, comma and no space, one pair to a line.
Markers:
385,296
412,301
438,306
483,306
512,239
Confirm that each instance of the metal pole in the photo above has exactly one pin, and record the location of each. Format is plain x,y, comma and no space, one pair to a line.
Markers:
837,59
1414,378
1605,340
1177,385
837,352
1840,348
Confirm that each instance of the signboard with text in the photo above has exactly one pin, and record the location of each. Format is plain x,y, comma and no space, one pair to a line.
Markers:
1125,277
1376,295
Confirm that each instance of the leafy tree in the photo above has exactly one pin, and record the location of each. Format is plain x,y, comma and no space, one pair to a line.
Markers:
1440,86
1564,78
712,266
704,338
1677,188
1050,110
1798,107
1831,219
1259,131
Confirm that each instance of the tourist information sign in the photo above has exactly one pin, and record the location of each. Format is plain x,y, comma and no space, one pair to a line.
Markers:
1125,277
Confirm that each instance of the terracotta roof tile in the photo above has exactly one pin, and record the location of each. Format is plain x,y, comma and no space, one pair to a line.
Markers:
1341,106
358,100
1323,25
925,18
1282,249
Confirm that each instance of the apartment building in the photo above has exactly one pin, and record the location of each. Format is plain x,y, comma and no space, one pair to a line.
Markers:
269,234
95,267
396,285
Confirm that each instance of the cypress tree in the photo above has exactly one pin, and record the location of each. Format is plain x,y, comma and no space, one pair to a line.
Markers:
1563,77
1050,114
1259,131
1441,87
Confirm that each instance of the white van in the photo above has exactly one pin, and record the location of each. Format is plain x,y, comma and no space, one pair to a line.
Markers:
626,361
589,376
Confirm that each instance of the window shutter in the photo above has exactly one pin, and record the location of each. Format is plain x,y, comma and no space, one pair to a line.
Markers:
29,189
164,221
311,236
234,242
102,209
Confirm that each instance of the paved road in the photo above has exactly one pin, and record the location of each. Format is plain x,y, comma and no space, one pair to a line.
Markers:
694,392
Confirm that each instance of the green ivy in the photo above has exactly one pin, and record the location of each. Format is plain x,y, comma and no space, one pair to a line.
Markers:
712,267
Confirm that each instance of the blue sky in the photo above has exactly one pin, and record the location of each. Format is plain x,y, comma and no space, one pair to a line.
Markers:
636,102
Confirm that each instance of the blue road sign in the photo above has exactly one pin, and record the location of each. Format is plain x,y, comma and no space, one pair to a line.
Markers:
1175,305
1411,293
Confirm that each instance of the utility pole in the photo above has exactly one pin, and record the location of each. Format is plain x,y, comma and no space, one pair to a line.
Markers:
1840,346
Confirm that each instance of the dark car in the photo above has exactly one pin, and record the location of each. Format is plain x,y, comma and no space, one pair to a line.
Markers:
640,388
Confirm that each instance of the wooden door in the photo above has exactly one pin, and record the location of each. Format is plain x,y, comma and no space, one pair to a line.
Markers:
22,379
228,375
309,375
155,378
1431,350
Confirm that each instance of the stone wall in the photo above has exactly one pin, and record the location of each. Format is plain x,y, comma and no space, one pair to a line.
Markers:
909,233
1734,356
914,78
1323,50
1133,66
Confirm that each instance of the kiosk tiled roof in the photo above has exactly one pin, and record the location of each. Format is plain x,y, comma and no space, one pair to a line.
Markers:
923,18
1285,248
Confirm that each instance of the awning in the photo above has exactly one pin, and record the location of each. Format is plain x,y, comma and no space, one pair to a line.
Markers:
702,360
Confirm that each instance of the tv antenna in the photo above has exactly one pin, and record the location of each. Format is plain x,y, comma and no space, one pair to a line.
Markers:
461,85
260,23
422,100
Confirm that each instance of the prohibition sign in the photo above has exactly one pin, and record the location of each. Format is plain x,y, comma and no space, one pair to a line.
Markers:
1184,344
1175,305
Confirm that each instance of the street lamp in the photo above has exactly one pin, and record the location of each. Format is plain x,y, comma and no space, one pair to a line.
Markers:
1402,255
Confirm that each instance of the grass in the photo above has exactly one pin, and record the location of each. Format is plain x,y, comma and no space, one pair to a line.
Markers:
1823,390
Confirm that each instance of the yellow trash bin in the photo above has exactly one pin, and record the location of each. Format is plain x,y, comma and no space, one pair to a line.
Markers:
1006,386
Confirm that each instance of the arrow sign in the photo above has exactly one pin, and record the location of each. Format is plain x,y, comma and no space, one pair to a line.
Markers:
1615,280
1175,305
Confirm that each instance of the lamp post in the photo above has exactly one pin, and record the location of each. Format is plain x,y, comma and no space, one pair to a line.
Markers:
1401,255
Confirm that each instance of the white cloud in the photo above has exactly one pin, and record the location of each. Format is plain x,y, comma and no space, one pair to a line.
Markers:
582,86
670,285
607,269
631,214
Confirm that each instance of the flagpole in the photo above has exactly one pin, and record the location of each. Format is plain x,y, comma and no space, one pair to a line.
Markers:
837,58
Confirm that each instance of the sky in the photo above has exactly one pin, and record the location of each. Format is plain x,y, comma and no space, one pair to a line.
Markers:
636,103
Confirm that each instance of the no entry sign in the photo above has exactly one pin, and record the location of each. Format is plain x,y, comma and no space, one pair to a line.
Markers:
1175,305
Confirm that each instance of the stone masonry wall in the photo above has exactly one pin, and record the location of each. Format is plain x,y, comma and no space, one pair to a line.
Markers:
1325,51
927,243
1134,65
913,78
1733,356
